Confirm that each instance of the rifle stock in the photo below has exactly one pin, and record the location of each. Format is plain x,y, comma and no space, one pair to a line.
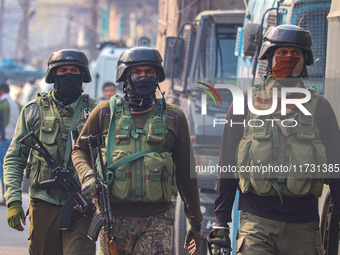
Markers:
112,247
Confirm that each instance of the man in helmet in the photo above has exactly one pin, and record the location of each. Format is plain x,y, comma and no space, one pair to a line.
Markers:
142,188
279,210
55,118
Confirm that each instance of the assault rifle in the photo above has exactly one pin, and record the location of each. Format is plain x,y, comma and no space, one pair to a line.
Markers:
61,178
103,218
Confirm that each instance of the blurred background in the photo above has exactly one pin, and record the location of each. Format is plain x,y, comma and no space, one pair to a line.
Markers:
30,30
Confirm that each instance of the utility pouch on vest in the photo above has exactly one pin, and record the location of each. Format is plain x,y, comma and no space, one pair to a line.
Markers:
306,157
261,156
123,130
158,177
122,176
33,170
48,136
243,160
49,130
301,150
139,167
156,133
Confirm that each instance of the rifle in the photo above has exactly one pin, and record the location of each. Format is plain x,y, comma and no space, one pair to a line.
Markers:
61,178
103,218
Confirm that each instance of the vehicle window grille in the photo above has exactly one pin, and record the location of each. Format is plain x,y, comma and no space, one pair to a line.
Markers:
312,15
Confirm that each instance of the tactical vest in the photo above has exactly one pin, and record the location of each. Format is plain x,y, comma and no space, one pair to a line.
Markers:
267,146
57,133
139,168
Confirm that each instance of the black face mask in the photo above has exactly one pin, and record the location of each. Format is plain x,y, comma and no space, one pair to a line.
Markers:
140,92
68,87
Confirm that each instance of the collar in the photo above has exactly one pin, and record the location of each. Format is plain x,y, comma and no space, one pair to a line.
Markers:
144,111
71,107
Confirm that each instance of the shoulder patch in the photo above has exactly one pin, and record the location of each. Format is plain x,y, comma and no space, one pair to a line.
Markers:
104,111
174,115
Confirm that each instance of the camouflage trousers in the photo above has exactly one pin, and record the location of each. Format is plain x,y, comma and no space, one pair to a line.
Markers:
151,235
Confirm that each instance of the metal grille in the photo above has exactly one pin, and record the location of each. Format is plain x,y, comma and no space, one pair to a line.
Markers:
187,54
312,15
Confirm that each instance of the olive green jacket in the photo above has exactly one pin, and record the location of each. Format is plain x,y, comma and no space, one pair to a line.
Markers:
14,164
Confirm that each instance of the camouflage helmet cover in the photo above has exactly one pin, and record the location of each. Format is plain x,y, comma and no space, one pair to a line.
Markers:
67,57
287,36
138,56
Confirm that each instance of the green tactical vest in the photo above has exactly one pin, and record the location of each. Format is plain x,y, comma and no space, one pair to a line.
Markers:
55,134
267,146
139,168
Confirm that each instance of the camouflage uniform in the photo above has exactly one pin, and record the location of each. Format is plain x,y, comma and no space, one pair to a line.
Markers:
153,233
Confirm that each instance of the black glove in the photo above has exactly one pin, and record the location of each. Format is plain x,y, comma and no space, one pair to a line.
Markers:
219,241
193,234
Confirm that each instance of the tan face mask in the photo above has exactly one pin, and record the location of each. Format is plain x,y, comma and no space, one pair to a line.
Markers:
287,66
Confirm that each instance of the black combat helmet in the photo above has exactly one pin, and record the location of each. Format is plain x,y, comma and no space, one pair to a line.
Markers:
287,36
138,56
67,57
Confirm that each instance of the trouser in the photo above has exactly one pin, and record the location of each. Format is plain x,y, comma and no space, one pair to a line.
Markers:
261,236
46,238
151,235
3,150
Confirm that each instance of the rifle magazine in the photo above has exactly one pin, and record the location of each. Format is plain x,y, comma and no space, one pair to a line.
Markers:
96,225
66,214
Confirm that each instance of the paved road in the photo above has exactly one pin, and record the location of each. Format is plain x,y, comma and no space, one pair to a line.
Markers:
13,242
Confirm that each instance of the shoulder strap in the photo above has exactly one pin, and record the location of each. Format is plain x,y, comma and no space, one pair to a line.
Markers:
33,115
112,104
75,118
42,96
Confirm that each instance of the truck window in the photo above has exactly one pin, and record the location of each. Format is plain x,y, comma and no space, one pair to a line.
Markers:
217,59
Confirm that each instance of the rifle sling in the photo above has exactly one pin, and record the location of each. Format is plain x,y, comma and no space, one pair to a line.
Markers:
133,157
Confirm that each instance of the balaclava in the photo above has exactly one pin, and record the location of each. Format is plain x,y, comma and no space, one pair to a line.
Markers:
140,91
68,87
287,66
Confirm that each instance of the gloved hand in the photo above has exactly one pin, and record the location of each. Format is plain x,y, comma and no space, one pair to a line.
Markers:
89,187
193,239
219,238
14,214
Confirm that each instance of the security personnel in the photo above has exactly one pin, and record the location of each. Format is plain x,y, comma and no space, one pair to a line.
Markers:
142,188
279,213
53,117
